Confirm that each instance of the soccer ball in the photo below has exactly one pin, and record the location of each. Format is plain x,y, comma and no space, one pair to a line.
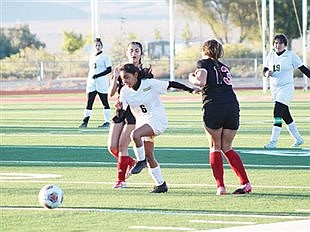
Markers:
51,196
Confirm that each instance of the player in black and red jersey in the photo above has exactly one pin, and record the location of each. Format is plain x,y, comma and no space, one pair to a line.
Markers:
220,114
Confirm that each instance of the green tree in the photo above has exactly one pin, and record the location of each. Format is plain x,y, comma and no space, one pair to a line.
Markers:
220,15
72,41
13,40
285,20
6,48
187,34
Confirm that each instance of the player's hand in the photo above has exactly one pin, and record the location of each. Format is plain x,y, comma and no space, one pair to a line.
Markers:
116,71
95,76
196,90
268,73
118,105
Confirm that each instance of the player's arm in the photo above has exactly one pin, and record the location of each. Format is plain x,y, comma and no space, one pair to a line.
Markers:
121,112
114,81
178,85
199,77
267,72
305,70
105,72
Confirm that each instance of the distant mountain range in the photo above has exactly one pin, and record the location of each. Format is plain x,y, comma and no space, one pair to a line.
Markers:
48,19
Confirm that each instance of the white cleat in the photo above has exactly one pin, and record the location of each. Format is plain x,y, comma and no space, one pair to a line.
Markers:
271,145
221,191
298,143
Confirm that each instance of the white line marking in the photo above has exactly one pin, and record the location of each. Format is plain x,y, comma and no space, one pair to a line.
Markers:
161,164
161,228
303,210
22,176
157,212
136,184
223,222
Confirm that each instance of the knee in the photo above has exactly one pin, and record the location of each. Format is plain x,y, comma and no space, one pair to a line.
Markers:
134,136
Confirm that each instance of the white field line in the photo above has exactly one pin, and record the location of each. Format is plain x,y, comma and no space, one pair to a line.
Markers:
165,228
223,222
155,212
82,163
303,210
137,184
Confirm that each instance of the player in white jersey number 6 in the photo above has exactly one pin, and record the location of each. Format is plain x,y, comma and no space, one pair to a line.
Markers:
143,97
279,67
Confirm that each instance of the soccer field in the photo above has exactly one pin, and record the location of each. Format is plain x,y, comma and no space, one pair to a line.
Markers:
41,143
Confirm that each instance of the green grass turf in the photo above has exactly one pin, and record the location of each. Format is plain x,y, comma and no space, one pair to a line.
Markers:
39,135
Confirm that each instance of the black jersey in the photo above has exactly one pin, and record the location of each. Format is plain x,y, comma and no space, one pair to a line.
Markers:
218,88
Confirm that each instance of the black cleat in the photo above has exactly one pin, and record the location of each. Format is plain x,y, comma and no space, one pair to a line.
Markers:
138,167
243,189
104,125
83,125
160,189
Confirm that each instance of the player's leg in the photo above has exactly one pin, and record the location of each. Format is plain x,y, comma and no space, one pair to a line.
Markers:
106,110
136,136
125,162
154,167
278,112
213,121
292,128
215,158
235,161
89,106
114,137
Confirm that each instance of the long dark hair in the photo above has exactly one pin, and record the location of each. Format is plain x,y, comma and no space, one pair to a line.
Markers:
146,71
131,68
214,49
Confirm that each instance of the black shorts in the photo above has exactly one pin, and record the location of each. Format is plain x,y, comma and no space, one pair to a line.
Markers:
129,119
216,116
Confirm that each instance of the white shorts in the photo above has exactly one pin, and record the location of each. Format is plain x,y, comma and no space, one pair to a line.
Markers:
283,94
101,84
158,126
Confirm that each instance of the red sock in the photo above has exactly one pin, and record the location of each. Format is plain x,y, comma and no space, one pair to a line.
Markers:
114,153
131,161
236,164
216,164
122,167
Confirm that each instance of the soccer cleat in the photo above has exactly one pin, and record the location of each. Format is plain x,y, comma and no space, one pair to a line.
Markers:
104,125
128,171
83,125
160,189
221,191
243,189
138,167
119,185
298,143
271,145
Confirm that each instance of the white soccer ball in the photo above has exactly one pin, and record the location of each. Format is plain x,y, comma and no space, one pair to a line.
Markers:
51,196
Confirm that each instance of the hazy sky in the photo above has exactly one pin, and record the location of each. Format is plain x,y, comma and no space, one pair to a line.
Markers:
48,19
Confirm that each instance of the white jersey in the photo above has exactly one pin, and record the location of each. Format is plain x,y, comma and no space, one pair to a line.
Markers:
98,64
145,104
282,78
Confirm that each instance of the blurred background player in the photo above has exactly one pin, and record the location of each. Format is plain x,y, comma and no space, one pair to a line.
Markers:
279,67
142,94
98,83
220,114
121,128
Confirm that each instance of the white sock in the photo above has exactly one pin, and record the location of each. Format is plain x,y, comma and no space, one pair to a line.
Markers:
87,113
156,175
139,152
275,134
107,113
292,129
